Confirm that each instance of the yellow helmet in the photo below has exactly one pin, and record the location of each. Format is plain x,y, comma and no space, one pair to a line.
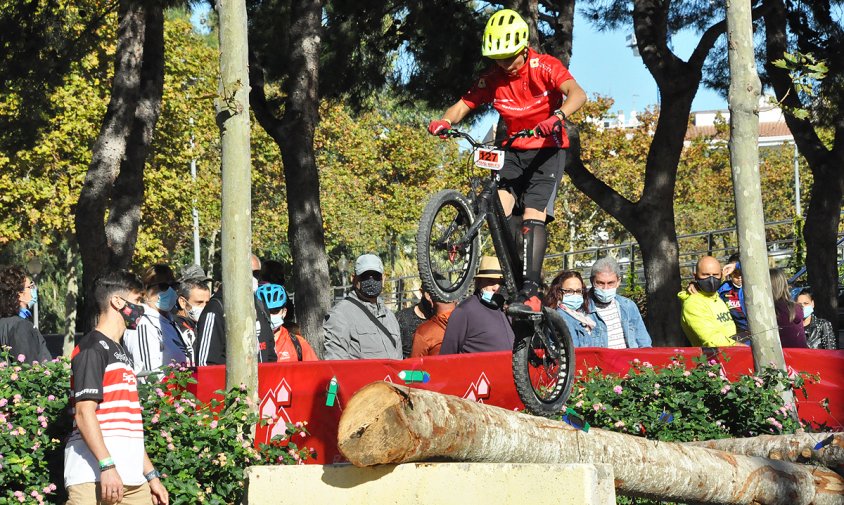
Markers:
506,34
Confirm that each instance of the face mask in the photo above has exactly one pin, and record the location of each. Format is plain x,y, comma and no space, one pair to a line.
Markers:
808,310
195,312
604,295
492,299
131,312
166,300
371,287
709,284
276,320
34,300
573,302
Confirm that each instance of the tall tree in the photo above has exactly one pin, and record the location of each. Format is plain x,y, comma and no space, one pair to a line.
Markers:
812,27
109,207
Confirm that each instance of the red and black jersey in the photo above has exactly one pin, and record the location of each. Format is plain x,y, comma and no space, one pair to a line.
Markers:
525,99
102,372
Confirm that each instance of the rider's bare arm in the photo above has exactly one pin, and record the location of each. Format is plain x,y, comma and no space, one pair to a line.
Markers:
456,112
575,97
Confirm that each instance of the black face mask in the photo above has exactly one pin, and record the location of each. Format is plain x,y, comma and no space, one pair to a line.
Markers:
709,284
131,312
371,287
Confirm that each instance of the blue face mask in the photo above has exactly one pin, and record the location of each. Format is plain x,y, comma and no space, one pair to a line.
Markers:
166,300
808,310
573,302
34,300
604,295
487,296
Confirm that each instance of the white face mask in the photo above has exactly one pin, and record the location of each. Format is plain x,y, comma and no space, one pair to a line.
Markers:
194,312
276,320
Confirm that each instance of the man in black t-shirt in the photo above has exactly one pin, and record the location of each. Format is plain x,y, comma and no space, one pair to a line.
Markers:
105,459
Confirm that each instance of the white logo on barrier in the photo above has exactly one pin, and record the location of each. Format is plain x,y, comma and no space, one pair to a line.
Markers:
273,407
478,390
388,379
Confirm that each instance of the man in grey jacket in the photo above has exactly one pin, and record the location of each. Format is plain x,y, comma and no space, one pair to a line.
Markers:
360,326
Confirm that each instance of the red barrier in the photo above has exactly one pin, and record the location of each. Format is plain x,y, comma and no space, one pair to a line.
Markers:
297,391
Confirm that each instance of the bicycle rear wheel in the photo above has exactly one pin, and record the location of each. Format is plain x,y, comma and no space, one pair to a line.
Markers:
446,256
543,364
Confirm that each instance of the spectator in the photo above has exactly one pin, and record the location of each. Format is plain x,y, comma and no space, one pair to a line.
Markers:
193,297
360,326
566,296
156,341
105,460
618,323
819,334
17,294
478,324
732,293
789,314
288,345
706,318
210,345
428,337
272,272
410,318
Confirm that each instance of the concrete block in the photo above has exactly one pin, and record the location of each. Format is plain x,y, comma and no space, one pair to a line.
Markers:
431,483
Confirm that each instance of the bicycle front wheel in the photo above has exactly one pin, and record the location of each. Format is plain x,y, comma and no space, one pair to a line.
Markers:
543,363
447,257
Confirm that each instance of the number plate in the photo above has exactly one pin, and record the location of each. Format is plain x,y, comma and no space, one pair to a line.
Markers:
492,159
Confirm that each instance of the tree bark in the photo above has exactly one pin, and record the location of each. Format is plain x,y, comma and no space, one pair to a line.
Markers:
236,234
798,448
71,295
108,210
384,423
827,195
294,134
561,19
745,89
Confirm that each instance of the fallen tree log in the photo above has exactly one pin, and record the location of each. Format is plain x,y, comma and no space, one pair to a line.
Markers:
384,423
797,448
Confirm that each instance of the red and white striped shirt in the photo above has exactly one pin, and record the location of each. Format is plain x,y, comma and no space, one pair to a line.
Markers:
102,372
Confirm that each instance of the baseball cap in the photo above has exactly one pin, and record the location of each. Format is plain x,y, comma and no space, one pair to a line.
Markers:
194,273
367,263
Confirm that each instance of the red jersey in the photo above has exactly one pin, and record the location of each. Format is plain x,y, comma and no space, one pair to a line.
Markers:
286,351
525,99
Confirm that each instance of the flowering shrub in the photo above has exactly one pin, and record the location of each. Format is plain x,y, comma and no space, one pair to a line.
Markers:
33,399
676,403
201,449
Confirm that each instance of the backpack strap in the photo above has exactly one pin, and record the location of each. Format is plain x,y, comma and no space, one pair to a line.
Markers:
296,344
374,319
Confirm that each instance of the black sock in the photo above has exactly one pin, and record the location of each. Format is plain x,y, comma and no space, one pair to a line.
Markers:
514,222
533,233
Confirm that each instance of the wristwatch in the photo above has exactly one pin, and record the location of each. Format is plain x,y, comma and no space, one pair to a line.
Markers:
560,114
153,474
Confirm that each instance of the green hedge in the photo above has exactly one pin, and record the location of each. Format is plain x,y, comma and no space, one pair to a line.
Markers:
201,448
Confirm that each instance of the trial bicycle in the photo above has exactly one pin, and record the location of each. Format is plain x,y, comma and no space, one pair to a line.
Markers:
448,251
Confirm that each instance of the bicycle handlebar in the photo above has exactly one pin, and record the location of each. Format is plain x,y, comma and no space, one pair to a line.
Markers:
457,133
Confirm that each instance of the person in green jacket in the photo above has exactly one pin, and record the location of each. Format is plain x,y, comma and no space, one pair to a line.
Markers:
706,319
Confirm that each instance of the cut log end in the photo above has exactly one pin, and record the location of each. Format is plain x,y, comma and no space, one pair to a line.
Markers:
361,434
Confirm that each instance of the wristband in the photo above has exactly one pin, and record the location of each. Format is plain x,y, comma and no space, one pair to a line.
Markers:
153,474
106,462
560,114
446,120
107,467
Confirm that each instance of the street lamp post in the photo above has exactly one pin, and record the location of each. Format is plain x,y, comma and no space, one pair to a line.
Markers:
34,267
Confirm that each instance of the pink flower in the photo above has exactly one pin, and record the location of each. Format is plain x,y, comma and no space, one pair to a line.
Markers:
647,364
597,407
725,389
618,390
14,377
213,424
180,410
710,374
51,397
579,404
686,373
3,402
775,423
636,361
21,358
303,434
657,385
619,424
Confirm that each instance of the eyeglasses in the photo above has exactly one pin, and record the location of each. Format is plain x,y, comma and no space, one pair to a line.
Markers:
162,286
31,285
571,291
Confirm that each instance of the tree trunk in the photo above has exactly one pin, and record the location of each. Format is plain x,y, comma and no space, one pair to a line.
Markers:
529,10
71,295
827,194
562,27
798,448
294,134
384,423
108,211
236,235
745,89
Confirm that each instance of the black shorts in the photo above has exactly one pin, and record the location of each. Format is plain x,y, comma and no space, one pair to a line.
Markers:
532,177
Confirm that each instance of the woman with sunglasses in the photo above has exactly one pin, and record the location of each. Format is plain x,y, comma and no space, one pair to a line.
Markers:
566,295
156,342
18,295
